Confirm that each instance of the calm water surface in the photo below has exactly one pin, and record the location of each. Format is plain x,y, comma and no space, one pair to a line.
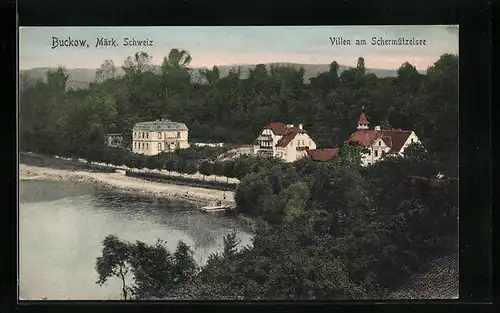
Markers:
62,225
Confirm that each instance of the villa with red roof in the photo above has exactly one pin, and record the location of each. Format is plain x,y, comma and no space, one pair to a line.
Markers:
380,142
285,141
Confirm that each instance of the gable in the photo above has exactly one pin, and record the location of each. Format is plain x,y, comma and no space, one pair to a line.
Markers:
397,139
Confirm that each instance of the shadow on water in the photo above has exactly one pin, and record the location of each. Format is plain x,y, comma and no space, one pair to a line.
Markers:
205,230
46,190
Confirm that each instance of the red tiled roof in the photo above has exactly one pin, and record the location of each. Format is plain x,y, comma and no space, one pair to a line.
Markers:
394,139
362,119
364,137
278,128
322,154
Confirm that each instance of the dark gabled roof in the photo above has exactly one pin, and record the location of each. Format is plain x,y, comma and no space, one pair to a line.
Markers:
396,138
278,128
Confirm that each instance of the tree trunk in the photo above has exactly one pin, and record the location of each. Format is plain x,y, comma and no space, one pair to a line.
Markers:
124,286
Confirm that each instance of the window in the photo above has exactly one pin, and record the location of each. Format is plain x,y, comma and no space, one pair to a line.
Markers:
369,152
159,146
142,134
159,135
177,145
147,135
376,153
380,143
412,140
178,134
147,146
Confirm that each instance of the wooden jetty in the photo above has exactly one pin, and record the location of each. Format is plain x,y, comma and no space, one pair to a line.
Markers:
218,210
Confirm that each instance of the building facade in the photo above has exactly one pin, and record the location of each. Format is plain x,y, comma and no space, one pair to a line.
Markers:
151,138
114,140
288,142
381,142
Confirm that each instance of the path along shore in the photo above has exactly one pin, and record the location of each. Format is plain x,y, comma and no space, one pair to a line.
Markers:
120,182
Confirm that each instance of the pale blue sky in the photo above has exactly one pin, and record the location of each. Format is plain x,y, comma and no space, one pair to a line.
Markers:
239,45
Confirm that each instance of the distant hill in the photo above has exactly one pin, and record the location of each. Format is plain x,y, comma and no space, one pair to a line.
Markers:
81,77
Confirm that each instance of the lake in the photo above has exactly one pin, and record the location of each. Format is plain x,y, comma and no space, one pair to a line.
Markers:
62,225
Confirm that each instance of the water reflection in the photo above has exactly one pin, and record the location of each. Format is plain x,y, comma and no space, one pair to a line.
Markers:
63,224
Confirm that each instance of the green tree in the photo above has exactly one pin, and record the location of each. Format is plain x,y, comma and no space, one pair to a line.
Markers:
184,267
211,76
231,242
114,262
228,170
416,151
205,168
175,71
106,71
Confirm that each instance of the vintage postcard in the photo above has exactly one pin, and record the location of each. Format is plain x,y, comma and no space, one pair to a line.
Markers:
230,163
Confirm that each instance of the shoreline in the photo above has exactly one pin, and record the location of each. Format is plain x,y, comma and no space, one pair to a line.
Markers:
120,182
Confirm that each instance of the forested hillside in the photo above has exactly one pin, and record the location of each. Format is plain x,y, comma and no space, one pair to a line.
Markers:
326,230
232,109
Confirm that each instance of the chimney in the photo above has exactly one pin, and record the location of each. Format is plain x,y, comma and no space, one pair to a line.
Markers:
377,127
300,126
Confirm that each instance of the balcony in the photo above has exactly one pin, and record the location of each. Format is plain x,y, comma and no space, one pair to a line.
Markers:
264,138
265,147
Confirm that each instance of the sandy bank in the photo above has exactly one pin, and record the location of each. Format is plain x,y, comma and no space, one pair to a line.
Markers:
128,184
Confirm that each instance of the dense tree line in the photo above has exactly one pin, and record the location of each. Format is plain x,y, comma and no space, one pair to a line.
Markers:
231,109
331,230
203,160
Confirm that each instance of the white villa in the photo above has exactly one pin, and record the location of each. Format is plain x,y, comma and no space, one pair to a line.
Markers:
285,141
381,141
151,138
